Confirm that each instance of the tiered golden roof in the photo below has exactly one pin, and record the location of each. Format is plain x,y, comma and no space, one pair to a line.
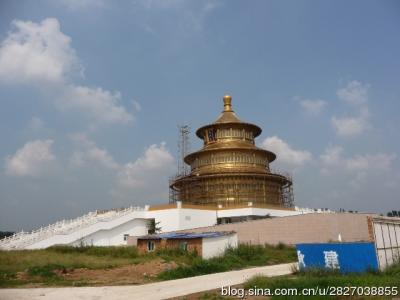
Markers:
230,170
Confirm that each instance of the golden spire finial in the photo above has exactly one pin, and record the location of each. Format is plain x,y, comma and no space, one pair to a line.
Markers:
227,103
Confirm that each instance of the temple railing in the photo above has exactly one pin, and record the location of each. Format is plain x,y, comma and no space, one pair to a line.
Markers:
23,238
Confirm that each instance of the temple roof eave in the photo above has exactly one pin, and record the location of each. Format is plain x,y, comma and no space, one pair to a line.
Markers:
272,176
254,128
190,157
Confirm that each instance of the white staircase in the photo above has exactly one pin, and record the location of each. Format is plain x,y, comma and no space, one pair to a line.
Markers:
22,239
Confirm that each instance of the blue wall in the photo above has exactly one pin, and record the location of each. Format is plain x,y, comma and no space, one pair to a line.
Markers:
346,257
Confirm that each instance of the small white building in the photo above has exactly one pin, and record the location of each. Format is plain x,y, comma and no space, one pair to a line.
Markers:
206,244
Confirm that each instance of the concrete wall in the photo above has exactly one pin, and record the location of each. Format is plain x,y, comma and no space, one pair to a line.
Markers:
255,211
307,228
182,218
115,235
216,246
188,217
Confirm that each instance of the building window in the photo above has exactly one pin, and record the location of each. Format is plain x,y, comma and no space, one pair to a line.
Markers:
183,246
126,237
150,246
211,135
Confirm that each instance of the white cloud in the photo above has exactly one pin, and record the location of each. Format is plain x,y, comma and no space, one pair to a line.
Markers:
88,152
286,154
37,52
379,161
156,164
98,104
188,17
146,176
31,160
41,55
332,156
313,107
348,127
354,93
141,181
333,160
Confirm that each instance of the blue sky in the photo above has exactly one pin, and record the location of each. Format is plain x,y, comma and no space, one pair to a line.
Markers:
92,92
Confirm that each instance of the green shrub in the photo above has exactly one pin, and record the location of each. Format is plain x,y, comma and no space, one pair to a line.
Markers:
281,246
247,251
45,271
393,270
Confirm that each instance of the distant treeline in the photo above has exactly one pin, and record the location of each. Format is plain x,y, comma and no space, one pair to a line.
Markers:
394,213
3,234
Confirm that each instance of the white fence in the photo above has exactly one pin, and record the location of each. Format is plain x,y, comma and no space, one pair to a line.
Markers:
387,240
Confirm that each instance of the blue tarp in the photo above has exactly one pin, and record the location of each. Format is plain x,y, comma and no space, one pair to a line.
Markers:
344,257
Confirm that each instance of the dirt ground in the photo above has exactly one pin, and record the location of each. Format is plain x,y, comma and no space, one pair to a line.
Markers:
129,274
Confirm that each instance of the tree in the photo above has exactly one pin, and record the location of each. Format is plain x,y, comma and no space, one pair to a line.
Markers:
153,227
393,213
4,234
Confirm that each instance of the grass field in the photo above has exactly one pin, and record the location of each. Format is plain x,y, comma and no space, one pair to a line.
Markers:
243,256
322,279
314,279
53,266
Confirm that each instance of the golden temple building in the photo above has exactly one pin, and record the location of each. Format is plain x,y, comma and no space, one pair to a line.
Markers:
230,170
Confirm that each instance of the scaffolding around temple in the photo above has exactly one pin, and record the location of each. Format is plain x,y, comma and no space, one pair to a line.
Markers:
237,195
230,170
183,149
